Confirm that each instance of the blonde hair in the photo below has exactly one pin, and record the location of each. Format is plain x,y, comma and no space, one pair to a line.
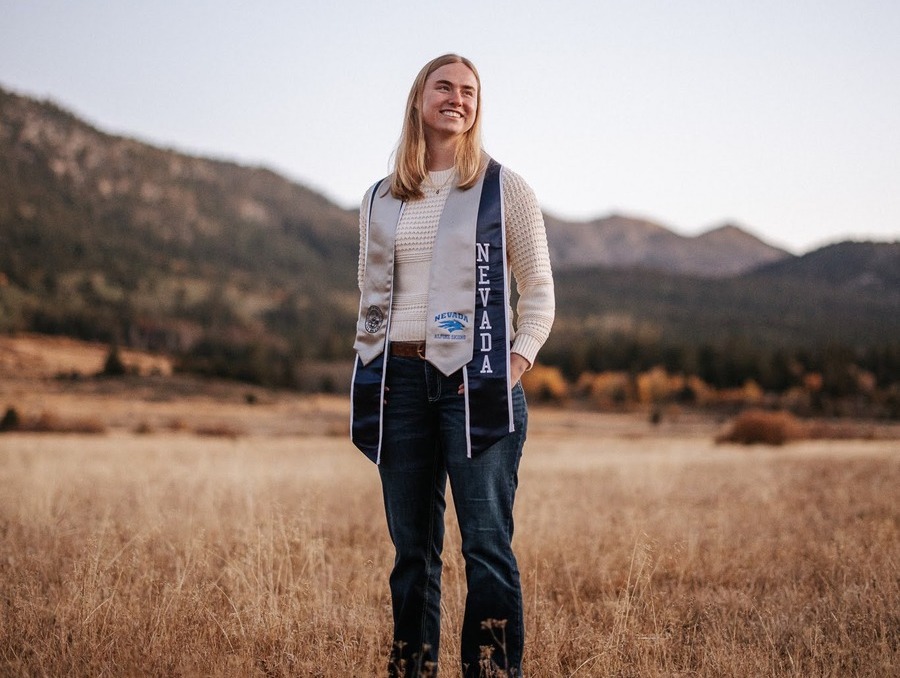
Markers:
410,167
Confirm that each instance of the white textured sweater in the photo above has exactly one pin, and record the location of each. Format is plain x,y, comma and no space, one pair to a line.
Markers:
526,249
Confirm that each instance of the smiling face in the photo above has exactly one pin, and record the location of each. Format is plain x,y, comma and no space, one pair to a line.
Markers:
449,102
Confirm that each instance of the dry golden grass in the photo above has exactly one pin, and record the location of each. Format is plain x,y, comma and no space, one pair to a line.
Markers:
173,555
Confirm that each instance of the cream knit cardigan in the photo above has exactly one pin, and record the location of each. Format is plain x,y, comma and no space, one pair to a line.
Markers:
526,249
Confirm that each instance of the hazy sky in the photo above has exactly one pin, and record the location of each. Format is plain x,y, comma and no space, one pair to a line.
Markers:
780,115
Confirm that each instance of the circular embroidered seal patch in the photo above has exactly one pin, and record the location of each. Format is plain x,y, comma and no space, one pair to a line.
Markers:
374,318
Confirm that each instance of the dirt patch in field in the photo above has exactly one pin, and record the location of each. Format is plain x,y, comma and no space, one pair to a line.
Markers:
39,356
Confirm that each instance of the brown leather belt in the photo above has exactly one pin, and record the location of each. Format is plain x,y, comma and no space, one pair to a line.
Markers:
408,349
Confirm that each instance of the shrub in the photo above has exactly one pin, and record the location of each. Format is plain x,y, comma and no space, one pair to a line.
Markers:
143,428
608,389
252,363
545,384
760,426
219,430
113,366
50,422
11,420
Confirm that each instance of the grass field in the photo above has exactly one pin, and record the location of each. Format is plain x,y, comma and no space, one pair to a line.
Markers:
169,554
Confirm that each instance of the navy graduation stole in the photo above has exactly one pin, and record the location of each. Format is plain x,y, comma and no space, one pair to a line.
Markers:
489,414
488,405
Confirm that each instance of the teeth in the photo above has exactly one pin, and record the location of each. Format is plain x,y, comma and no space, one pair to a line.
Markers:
451,114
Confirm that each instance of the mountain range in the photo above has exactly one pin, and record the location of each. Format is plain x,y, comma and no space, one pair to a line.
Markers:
618,241
107,237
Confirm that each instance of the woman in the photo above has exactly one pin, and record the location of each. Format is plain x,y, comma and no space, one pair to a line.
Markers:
436,390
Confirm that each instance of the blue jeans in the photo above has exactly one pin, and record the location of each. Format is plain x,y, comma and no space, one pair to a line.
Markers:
424,443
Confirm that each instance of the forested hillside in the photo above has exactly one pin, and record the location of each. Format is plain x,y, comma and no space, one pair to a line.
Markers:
840,305
105,237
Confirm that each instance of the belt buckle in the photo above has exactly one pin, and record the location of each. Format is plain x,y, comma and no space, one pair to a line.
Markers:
420,350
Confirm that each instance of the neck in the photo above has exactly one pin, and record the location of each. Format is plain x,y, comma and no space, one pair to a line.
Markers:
440,154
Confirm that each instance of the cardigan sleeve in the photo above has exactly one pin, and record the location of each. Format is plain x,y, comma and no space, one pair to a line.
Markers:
529,261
